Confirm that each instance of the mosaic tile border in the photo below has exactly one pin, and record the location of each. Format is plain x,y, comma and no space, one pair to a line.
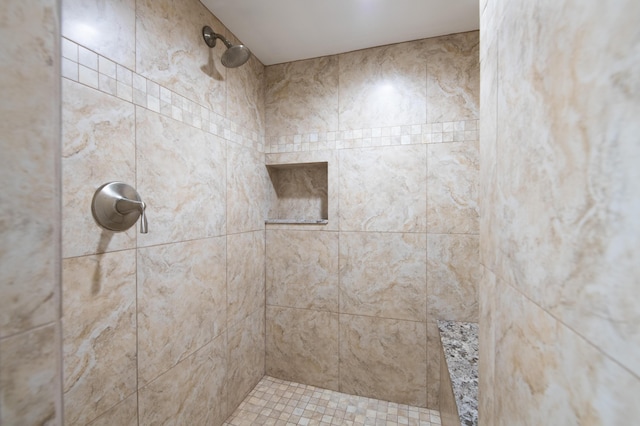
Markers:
450,131
91,69
280,402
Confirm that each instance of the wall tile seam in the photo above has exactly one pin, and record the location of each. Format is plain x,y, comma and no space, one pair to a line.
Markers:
125,84
339,313
105,411
569,328
35,328
149,382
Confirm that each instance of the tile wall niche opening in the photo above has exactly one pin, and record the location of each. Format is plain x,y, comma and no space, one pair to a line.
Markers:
298,193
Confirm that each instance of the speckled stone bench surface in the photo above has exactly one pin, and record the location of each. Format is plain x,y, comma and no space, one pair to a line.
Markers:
460,344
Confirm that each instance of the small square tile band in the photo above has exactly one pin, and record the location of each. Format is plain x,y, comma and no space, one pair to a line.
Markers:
279,402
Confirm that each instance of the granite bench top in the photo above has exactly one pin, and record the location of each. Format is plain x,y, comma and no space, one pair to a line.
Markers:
460,344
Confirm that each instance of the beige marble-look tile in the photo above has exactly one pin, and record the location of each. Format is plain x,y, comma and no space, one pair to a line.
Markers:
99,146
30,129
181,177
568,226
452,188
108,28
302,269
99,333
383,358
245,275
28,377
434,359
123,414
245,94
383,275
383,86
302,346
383,189
487,347
302,96
246,357
185,64
191,393
453,77
246,186
181,302
550,375
453,273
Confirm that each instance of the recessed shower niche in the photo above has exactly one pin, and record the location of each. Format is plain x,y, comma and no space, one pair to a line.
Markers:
298,193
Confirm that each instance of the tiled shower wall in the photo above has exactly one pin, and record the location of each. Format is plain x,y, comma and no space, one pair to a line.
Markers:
164,327
352,305
29,213
559,336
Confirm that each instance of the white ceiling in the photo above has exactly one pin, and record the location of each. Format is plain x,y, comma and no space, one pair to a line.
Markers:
279,31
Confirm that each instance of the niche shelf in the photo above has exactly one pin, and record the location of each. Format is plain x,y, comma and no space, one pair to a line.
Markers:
298,194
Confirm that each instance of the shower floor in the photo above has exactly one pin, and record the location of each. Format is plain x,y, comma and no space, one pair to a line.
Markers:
279,402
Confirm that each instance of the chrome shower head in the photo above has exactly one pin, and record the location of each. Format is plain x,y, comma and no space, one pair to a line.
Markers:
234,56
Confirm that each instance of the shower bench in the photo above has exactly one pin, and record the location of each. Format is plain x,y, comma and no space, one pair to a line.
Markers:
459,373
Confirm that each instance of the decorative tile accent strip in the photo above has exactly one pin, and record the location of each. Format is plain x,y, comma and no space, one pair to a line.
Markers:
450,131
279,402
86,67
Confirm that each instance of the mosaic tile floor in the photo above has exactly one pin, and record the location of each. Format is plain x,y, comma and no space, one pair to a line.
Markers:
278,402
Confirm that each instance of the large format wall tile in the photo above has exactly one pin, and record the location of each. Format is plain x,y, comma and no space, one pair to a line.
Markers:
181,177
302,269
191,393
181,302
383,86
302,346
108,28
98,147
452,188
302,97
384,359
246,186
434,349
569,221
552,375
170,50
453,273
383,189
246,357
245,275
245,95
99,333
30,129
487,344
383,275
28,377
453,77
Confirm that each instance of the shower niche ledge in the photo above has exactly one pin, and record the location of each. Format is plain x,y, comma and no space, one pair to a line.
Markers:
298,194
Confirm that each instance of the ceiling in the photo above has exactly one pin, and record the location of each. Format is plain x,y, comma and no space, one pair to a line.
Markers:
279,31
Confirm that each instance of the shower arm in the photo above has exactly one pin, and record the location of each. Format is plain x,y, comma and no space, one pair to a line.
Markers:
210,38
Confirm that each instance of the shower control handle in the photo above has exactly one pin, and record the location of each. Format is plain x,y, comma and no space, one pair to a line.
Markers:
116,206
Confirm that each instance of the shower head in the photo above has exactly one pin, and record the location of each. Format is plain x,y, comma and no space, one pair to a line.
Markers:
234,56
